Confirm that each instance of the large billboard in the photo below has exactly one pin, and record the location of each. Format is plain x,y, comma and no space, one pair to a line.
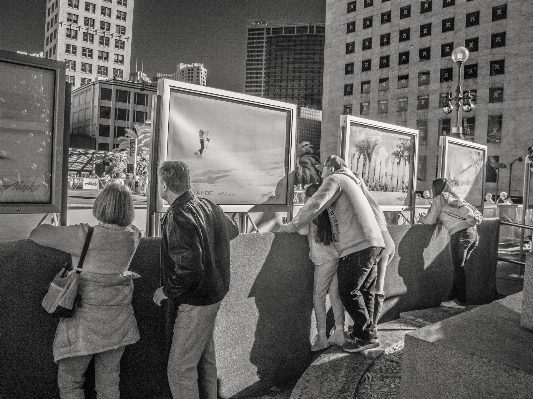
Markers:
239,148
32,92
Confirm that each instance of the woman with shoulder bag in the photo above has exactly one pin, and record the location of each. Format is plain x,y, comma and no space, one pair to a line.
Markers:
103,322
453,214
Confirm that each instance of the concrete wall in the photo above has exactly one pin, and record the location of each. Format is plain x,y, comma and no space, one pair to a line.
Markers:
262,333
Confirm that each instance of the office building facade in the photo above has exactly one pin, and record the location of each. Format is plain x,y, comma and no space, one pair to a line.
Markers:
391,61
285,62
102,110
190,73
92,37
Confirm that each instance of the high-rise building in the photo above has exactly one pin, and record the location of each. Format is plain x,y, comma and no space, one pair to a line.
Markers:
191,73
93,38
285,62
102,111
391,61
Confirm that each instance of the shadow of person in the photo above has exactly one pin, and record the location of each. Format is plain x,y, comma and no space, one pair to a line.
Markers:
283,293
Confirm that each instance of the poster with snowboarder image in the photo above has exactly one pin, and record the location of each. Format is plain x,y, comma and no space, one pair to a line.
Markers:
384,156
238,147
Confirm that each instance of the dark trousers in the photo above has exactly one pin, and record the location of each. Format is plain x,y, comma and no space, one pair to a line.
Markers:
357,278
462,244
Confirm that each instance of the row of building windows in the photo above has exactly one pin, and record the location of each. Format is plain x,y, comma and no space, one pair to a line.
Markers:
91,7
72,80
123,96
498,12
50,24
50,10
497,67
87,67
72,33
122,114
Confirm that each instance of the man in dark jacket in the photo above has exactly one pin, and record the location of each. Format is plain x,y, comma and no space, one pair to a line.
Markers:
195,261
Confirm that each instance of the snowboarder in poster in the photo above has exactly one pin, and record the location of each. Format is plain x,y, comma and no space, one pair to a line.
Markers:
203,138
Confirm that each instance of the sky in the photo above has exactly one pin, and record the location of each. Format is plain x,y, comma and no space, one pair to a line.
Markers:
167,32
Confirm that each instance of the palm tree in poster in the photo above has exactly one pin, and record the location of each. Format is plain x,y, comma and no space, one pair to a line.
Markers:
370,148
359,149
306,162
398,155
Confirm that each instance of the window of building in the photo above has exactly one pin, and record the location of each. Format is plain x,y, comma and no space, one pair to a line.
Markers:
472,19
87,52
47,26
103,41
472,44
120,44
403,81
495,94
365,86
369,3
405,35
348,109
384,39
123,3
422,127
446,49
367,22
71,34
54,49
120,30
448,25
105,11
85,81
383,84
118,59
497,67
470,71
88,37
141,99
497,40
103,55
423,78
47,40
121,15
90,7
469,127
494,129
118,73
120,131
55,34
72,18
350,47
71,49
88,22
121,114
102,70
139,116
383,107
384,61
367,43
103,146
385,17
402,104
105,94
70,65
348,68
445,126
73,4
448,3
425,30
86,67
424,54
350,27
105,112
351,7
499,12
423,102
71,80
348,89
403,58
446,75
405,12
366,65
106,26
425,6
104,130
123,96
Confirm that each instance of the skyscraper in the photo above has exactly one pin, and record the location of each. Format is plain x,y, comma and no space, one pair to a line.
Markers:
391,61
93,38
191,73
285,62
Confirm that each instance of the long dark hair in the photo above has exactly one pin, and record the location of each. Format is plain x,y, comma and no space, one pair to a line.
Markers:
442,186
323,224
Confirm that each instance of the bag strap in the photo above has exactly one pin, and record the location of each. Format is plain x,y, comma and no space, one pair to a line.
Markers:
85,248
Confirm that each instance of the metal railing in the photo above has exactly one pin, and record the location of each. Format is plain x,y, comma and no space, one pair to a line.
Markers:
521,252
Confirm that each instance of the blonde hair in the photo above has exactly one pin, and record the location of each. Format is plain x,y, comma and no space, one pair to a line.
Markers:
114,205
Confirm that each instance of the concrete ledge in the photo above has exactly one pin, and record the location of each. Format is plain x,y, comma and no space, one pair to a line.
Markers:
526,319
478,354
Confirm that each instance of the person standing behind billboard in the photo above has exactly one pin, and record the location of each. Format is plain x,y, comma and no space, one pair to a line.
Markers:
195,265
360,243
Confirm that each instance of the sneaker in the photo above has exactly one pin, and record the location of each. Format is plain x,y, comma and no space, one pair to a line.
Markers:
337,338
454,303
359,345
319,344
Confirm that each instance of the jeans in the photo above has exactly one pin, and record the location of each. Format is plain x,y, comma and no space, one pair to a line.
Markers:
70,375
326,281
462,244
192,364
357,278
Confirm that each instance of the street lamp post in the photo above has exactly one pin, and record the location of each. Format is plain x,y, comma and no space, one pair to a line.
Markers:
462,100
519,159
